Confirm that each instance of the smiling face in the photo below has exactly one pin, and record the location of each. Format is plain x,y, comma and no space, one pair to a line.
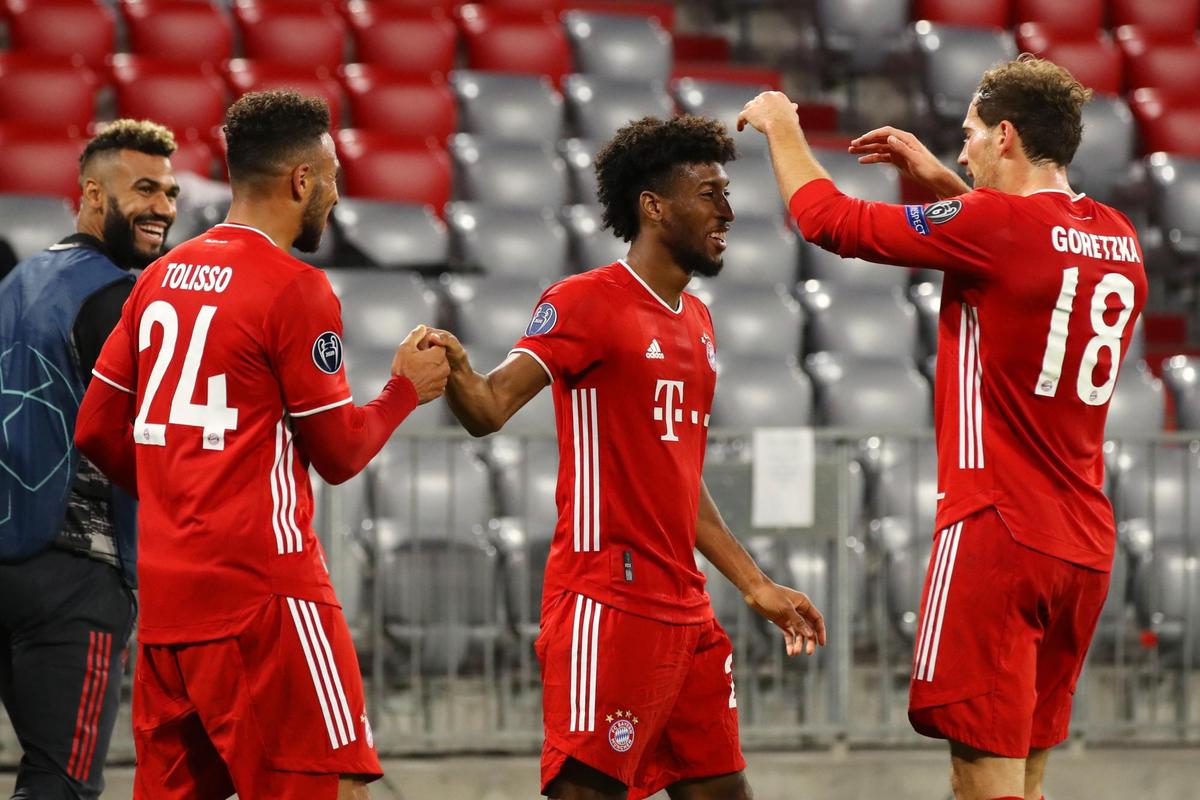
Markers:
697,218
139,206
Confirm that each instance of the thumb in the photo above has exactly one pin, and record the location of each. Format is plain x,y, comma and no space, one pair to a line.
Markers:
414,336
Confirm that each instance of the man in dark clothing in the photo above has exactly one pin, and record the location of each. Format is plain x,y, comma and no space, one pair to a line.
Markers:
67,538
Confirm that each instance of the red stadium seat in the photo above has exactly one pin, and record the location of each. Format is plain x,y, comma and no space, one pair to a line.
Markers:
1159,19
189,99
1077,19
513,42
663,12
1094,60
35,160
244,75
749,74
1173,66
49,91
178,30
1170,124
702,47
978,14
382,167
395,102
291,32
62,28
192,155
399,38
528,6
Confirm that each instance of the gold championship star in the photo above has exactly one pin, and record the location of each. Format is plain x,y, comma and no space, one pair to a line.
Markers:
608,718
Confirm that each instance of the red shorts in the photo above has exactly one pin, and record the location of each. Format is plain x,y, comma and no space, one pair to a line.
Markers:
276,711
646,702
1001,639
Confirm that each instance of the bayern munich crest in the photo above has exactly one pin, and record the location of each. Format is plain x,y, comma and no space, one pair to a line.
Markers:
710,350
621,730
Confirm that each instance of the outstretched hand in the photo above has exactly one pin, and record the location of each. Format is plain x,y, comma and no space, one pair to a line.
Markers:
792,612
767,109
426,367
888,145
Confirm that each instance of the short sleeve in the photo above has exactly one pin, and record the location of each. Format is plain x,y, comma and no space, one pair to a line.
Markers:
562,334
117,363
303,335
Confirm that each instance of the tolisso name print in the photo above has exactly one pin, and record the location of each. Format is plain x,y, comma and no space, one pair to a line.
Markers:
1108,248
197,277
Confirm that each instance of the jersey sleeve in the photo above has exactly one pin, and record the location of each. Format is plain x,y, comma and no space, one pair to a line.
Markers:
303,338
562,335
969,234
117,363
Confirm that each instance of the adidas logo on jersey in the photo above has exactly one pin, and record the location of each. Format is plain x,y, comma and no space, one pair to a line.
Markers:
654,351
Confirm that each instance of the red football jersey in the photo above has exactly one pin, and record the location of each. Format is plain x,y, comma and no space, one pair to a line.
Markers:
1038,306
633,383
222,341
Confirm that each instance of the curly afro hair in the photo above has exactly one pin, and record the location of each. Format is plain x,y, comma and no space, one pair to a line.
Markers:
644,155
140,135
266,130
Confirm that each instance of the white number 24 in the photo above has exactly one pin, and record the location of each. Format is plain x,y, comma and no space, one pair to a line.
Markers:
214,417
1107,337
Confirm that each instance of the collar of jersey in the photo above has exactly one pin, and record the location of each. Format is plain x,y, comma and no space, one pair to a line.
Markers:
244,228
1074,197
652,293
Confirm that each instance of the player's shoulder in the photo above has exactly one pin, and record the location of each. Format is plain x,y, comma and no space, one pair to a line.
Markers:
586,285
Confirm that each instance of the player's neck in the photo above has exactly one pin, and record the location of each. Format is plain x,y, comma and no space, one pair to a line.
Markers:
1026,179
257,213
660,272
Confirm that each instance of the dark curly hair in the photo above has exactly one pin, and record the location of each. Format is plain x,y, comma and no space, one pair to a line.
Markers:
1042,100
141,135
644,155
265,131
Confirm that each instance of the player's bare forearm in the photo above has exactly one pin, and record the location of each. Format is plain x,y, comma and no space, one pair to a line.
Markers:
774,115
717,543
483,403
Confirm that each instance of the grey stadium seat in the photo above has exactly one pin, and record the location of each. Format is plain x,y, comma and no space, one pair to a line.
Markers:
619,45
822,265
1101,164
501,105
859,322
761,391
751,320
528,478
954,59
1175,204
862,32
393,235
491,310
866,182
878,394
1162,488
580,157
380,308
752,187
906,557
1137,341
1182,376
762,251
522,243
1137,407
904,482
369,369
31,223
723,101
591,246
508,172
599,104
927,300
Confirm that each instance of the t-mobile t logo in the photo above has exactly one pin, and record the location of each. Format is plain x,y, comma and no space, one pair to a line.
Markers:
670,410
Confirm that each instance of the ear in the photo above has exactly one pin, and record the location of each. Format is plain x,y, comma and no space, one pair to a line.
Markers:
94,196
652,206
302,180
1007,137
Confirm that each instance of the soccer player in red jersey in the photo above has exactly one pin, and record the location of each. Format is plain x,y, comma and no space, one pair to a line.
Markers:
222,382
1042,288
637,678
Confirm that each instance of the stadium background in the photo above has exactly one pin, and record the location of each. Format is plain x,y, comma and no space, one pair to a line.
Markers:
466,135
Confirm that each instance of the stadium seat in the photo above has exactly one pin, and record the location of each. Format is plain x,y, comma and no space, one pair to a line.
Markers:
368,370
491,310
722,101
377,166
1169,124
906,551
752,187
591,246
704,47
662,12
881,184
979,14
291,32
380,308
506,106
1102,164
1093,58
1078,19
39,161
763,391
1175,202
1137,407
1171,602
599,105
192,155
506,172
187,98
869,393
178,30
515,42
619,45
508,241
390,101
31,223
752,75
926,298
244,75
751,320
1161,486
902,474
953,59
65,28
452,497
393,235
418,41
1161,19
859,322
861,33
49,91
826,267
761,251
532,7
527,470
1182,376
579,156
1168,66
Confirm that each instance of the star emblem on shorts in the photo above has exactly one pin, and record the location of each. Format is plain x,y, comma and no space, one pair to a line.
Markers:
619,714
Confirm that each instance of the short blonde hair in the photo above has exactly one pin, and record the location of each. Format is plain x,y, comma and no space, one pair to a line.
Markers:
141,135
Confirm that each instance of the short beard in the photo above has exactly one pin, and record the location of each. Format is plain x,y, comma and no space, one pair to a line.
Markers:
694,262
119,237
312,225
